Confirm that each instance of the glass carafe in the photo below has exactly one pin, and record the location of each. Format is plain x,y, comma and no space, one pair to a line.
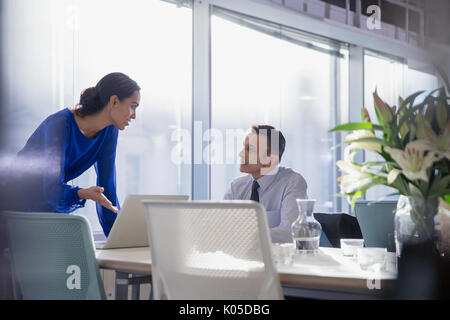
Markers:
306,230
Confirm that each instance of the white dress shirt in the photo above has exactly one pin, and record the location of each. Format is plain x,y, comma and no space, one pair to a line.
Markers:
278,192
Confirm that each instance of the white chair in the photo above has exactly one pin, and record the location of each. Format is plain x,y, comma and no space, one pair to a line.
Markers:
211,250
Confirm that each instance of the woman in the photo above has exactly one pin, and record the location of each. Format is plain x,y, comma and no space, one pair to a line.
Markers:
68,143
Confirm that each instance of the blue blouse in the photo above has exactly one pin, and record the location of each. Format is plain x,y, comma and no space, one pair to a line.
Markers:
58,152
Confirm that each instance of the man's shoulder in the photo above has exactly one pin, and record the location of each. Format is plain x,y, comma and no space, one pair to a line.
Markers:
291,176
289,172
294,182
241,179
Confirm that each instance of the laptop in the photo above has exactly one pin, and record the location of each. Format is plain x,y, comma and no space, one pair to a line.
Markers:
130,228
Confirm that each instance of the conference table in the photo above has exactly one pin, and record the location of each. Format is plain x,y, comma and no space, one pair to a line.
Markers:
324,275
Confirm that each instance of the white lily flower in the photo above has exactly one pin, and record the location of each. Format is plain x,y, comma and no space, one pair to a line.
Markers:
393,175
413,161
354,178
439,144
360,134
349,154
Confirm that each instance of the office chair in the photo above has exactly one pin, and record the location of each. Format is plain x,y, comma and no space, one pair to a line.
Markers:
52,257
376,220
337,226
211,250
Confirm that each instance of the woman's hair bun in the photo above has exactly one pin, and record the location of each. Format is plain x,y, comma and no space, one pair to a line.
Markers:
90,102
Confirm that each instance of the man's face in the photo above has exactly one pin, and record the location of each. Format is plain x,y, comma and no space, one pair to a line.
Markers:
254,154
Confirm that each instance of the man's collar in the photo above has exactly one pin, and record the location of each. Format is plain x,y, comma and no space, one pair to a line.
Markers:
266,180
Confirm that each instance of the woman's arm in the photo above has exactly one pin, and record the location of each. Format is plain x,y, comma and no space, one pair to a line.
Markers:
106,179
61,196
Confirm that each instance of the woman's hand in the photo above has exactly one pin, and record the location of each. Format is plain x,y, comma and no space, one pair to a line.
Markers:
96,194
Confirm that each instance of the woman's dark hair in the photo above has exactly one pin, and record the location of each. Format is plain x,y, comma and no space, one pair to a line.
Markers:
94,99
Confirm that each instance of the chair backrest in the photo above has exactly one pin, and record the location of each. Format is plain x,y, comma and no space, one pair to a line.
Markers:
52,257
376,220
337,226
211,250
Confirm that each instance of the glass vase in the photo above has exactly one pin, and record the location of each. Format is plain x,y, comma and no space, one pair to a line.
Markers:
306,230
444,223
415,221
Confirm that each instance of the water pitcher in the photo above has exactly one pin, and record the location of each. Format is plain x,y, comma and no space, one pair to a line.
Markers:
306,230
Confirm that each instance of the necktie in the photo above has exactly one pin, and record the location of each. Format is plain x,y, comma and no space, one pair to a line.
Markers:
255,196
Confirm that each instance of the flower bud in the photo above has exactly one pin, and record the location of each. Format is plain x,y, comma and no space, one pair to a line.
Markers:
384,113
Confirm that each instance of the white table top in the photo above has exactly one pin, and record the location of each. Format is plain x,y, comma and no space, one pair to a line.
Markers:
134,260
329,262
328,269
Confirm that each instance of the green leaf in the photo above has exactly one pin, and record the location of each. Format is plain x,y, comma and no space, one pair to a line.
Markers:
403,113
342,195
410,99
363,190
384,112
414,190
410,113
364,117
401,184
376,140
441,114
412,132
407,113
380,118
431,110
447,198
353,126
357,194
379,163
439,186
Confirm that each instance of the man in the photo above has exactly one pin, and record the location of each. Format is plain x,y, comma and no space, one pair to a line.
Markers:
274,186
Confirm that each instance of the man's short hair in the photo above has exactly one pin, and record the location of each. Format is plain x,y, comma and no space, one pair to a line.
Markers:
269,131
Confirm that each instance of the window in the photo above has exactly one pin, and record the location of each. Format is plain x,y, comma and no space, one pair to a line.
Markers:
261,79
391,79
56,49
261,72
